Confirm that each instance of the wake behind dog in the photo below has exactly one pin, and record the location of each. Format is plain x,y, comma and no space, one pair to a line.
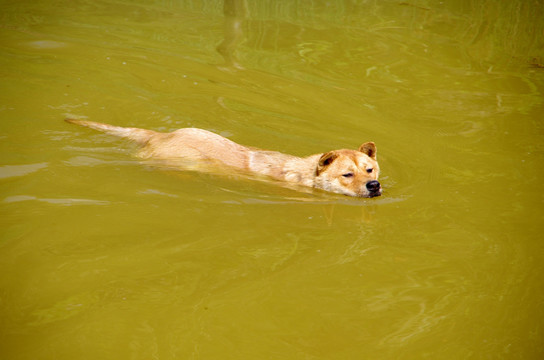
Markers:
348,172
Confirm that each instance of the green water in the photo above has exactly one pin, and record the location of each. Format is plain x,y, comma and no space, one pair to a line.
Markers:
102,257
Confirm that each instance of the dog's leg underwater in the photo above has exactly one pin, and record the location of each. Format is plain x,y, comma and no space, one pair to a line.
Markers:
140,136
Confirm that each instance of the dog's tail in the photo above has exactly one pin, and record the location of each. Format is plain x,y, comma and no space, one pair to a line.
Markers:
140,136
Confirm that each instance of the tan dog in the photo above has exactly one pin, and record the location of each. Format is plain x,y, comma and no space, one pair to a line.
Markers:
348,172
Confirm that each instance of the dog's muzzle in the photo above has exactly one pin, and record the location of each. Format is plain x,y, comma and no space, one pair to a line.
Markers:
374,188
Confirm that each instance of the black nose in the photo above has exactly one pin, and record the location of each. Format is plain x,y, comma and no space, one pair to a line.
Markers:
373,186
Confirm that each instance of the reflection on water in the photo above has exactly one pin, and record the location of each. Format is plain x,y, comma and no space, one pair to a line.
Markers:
20,170
104,256
236,12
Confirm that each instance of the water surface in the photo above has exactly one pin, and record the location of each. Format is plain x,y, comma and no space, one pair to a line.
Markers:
104,257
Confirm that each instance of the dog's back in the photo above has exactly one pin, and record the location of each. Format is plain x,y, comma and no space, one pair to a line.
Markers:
187,143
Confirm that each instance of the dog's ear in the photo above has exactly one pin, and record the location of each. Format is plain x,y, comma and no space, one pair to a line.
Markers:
325,160
368,148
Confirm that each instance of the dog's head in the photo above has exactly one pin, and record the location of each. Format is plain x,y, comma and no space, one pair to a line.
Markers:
350,172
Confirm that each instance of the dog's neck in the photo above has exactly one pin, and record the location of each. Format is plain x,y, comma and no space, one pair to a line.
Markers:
283,166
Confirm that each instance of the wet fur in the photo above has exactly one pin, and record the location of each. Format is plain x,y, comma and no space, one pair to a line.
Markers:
349,172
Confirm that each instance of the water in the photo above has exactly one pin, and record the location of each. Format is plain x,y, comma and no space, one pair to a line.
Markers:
103,257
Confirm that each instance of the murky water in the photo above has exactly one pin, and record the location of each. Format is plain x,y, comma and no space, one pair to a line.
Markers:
102,257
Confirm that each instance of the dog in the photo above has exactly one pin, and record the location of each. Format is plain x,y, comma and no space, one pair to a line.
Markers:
349,172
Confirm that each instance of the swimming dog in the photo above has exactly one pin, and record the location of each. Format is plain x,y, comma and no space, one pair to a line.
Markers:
348,172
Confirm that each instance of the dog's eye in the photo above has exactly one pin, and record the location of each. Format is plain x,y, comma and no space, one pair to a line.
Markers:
369,170
347,175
